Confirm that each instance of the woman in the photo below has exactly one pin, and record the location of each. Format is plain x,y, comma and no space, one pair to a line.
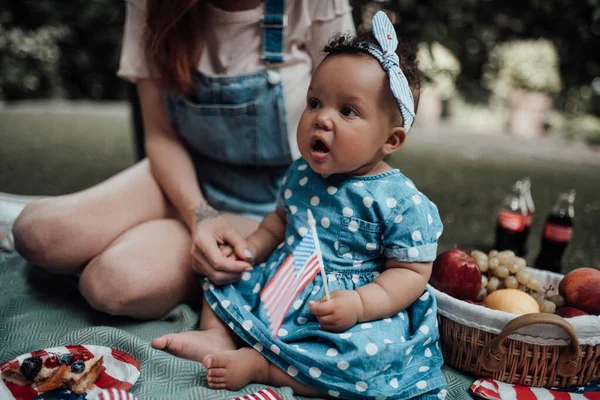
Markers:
221,86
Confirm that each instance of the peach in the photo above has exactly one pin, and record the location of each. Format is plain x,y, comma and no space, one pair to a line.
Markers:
581,289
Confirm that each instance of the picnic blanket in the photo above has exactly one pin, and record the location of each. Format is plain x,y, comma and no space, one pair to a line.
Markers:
39,310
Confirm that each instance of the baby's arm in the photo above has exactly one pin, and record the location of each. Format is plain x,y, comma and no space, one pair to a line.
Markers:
269,234
394,290
391,292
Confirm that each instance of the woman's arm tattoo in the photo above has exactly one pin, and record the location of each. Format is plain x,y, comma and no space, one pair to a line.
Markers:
204,211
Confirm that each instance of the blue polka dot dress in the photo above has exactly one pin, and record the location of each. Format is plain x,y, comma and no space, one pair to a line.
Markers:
361,221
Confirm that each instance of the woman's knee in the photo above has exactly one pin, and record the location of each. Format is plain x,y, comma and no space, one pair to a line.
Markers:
38,232
115,283
106,284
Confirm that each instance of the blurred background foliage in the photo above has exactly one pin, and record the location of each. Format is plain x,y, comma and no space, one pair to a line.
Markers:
70,49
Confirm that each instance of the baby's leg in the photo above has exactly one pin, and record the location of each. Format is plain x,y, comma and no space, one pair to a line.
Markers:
213,337
235,369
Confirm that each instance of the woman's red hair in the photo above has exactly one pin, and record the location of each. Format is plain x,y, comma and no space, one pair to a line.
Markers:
173,28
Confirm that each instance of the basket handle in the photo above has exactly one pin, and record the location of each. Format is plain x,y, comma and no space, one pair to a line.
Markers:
494,352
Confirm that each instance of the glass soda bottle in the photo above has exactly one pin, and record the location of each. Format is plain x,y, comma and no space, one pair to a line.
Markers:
558,231
510,225
528,216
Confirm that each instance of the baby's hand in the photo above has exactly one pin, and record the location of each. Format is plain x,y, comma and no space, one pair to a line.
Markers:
228,252
339,313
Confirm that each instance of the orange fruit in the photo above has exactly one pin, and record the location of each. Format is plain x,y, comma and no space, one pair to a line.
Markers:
511,300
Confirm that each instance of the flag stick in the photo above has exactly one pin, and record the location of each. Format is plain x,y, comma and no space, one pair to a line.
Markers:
313,226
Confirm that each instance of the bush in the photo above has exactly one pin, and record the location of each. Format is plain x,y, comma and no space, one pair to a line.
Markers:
29,66
530,65
439,68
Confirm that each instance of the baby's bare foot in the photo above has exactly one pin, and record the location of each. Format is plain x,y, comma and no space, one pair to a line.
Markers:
195,345
235,369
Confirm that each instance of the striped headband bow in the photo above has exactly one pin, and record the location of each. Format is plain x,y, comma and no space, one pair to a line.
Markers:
385,53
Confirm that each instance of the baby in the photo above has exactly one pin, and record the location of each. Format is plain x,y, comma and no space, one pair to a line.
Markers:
377,335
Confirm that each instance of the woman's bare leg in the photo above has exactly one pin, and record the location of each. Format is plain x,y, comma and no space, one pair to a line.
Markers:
63,233
139,261
213,336
144,273
236,368
147,271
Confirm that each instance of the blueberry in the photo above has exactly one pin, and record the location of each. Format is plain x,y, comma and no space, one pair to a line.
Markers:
65,359
78,367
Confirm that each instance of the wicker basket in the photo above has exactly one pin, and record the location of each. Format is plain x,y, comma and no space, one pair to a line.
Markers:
541,349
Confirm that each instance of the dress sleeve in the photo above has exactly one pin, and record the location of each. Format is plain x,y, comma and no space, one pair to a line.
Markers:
413,229
328,17
133,64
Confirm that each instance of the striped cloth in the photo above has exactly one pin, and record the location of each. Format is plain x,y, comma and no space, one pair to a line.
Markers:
495,390
114,394
265,394
385,53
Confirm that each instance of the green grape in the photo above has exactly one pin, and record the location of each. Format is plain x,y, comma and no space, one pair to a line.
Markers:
493,284
514,267
482,264
482,294
558,300
501,272
534,285
493,263
511,282
521,262
478,254
548,307
523,277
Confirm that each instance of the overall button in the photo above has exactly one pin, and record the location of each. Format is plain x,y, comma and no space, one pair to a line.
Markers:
273,77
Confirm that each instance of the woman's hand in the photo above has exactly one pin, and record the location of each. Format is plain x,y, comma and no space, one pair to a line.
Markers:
340,313
219,251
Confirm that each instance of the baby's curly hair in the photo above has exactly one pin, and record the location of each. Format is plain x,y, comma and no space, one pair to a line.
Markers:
348,44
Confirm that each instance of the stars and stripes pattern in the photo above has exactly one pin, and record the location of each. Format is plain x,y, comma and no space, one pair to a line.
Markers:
265,394
494,390
296,271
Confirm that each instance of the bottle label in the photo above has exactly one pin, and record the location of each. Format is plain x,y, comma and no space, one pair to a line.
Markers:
528,219
511,221
558,233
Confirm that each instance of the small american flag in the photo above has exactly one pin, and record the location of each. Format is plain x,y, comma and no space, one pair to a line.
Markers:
296,271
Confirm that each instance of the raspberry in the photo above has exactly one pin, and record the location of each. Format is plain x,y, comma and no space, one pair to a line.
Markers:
51,362
78,367
31,367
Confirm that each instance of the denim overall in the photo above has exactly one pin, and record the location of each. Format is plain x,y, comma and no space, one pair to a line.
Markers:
235,129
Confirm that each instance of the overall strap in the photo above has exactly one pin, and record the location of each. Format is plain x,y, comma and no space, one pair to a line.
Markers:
272,23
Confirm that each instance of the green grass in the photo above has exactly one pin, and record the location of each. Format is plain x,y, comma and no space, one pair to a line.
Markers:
466,176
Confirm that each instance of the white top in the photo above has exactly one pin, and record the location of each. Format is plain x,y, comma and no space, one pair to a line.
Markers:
234,45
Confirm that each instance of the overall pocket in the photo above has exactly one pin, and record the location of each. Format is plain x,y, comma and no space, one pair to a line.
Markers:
237,120
222,132
358,239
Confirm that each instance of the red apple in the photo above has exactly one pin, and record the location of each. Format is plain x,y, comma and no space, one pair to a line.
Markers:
569,312
581,288
456,273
